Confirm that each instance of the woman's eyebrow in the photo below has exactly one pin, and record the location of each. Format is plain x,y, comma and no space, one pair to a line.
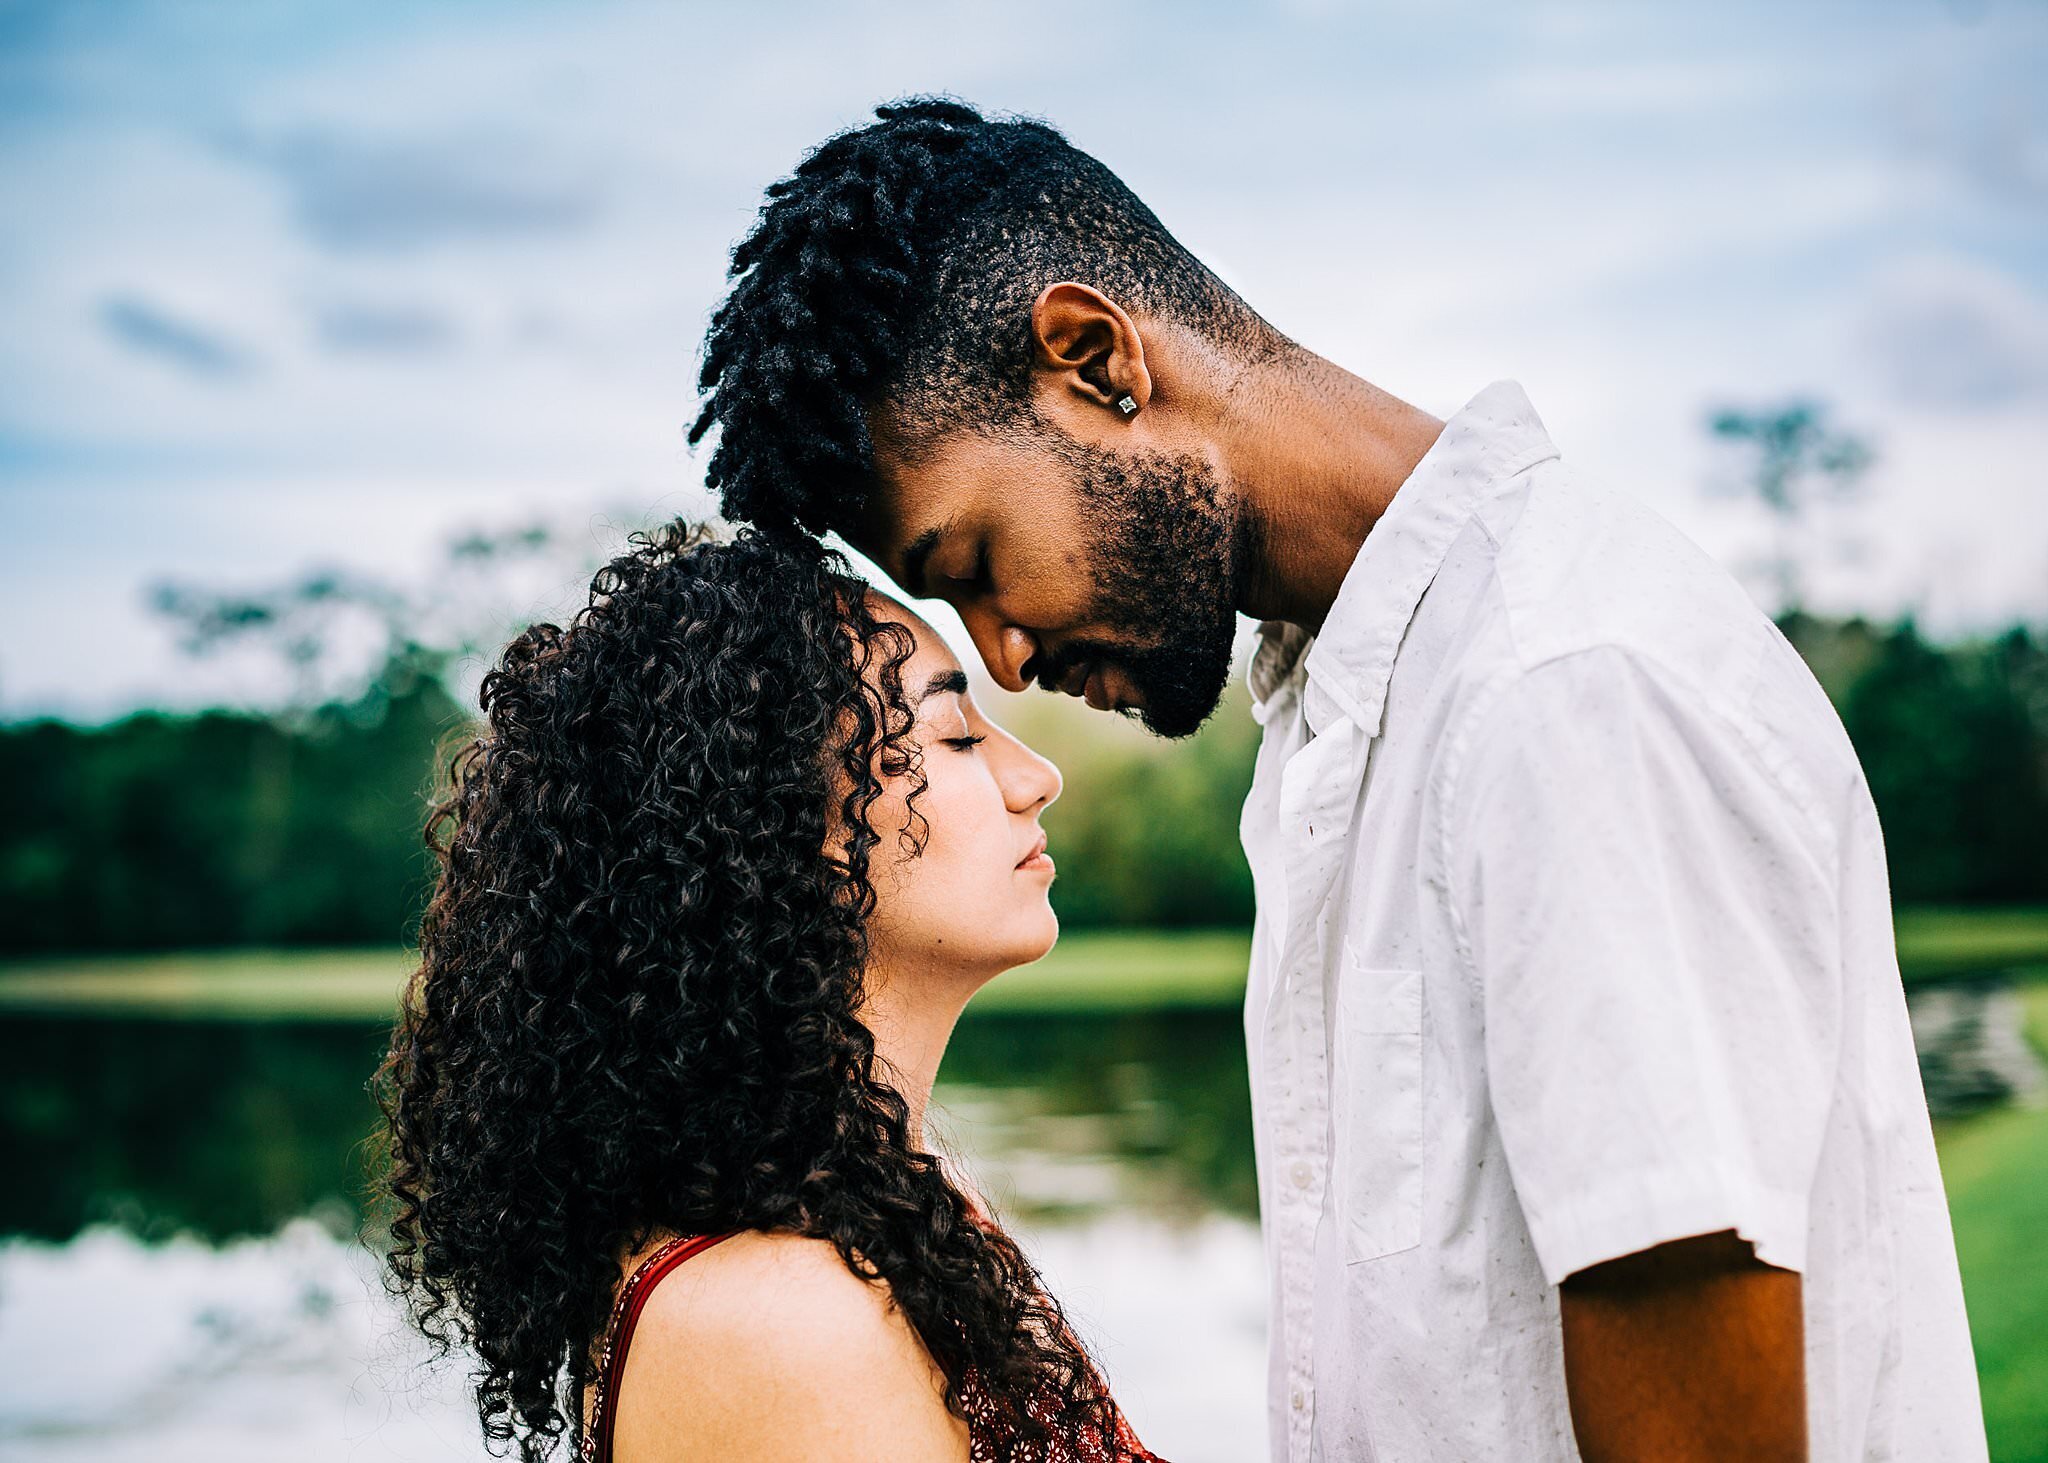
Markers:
944,681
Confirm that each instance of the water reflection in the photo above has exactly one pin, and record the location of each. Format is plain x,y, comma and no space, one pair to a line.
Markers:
1120,1146
189,1153
213,1128
222,1129
1971,1036
1066,1116
287,1347
230,1128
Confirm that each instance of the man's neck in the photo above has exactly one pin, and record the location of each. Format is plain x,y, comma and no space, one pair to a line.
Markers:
1318,454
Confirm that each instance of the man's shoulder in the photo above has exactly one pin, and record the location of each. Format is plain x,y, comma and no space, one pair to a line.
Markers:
1589,581
1585,567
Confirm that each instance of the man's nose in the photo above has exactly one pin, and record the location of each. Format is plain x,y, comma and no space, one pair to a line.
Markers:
1005,649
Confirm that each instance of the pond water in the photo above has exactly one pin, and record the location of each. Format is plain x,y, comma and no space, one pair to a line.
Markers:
180,1277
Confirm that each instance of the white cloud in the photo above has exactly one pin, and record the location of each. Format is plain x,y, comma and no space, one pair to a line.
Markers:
351,191
1951,332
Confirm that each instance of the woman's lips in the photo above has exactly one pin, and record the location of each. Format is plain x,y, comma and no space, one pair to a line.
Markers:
1036,861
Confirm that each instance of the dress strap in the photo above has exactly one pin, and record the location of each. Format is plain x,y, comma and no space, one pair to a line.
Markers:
611,1364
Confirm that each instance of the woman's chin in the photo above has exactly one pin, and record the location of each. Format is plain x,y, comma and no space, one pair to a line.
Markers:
1051,935
1035,940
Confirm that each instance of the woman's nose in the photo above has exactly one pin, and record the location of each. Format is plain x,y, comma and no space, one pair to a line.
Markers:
1032,782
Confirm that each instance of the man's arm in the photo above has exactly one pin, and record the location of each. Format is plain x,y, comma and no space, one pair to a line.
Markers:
1692,1350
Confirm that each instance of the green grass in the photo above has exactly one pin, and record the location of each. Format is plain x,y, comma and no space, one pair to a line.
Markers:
1088,971
1126,970
1995,1168
1940,944
1109,971
211,984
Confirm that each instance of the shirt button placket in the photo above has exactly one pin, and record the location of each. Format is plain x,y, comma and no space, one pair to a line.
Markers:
1306,1128
1317,784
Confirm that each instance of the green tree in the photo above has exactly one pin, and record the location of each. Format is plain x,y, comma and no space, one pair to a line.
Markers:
1954,744
162,832
1797,464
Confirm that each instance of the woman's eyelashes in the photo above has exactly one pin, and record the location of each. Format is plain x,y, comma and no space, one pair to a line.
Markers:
963,740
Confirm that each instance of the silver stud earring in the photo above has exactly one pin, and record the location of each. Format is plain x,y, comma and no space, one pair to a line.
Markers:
1127,404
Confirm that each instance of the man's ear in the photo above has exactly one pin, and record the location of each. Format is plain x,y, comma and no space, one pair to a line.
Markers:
1082,337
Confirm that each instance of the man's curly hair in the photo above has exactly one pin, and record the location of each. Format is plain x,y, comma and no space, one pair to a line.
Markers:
897,267
637,1009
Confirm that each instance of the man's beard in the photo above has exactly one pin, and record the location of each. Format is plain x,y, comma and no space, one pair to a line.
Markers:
1170,554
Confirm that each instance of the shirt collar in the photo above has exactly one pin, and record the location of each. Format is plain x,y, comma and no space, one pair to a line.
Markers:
1495,436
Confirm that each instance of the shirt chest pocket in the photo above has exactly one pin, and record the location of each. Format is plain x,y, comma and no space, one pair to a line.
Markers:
1376,1105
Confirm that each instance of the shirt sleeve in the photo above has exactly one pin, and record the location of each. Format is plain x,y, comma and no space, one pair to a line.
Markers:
1650,920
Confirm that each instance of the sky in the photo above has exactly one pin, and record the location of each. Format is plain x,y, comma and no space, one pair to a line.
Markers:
293,285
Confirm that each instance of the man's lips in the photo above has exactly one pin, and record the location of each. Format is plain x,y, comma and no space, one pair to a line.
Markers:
1090,680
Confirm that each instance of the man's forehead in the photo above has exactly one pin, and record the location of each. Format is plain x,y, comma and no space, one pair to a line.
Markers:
905,556
920,496
902,510
879,531
932,478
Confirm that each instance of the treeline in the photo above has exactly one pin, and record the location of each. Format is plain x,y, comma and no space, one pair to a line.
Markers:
164,832
1954,742
223,829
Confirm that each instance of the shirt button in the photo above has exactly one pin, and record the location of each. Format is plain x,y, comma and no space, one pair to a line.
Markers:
1299,1399
1301,1173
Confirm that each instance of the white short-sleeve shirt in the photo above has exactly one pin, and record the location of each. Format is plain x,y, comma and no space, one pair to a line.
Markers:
1574,937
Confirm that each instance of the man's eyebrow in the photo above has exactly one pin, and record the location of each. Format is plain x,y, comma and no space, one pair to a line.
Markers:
944,681
915,558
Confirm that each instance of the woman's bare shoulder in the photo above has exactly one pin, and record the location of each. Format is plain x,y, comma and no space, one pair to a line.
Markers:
767,1346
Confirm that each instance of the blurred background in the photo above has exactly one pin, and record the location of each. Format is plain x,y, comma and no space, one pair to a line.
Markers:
340,341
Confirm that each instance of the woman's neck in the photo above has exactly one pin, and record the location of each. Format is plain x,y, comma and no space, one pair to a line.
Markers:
912,1020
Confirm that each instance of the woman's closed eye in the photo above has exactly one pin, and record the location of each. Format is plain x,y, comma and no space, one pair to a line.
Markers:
967,743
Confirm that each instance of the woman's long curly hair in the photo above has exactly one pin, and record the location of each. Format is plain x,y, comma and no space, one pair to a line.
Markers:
638,1003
